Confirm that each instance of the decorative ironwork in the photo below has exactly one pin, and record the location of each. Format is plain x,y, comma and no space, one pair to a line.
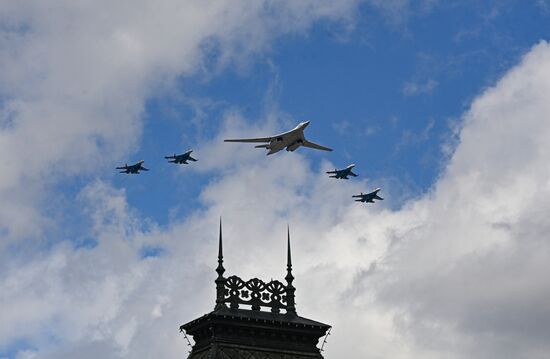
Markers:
255,292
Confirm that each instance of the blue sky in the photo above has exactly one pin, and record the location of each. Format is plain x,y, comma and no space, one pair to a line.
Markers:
442,104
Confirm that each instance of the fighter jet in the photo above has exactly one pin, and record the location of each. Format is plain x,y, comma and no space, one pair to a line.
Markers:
291,140
134,169
369,197
181,159
343,174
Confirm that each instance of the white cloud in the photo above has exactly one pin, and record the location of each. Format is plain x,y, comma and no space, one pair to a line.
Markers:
474,266
458,273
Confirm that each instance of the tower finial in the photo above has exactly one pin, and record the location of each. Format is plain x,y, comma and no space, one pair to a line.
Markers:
220,281
220,246
289,289
288,256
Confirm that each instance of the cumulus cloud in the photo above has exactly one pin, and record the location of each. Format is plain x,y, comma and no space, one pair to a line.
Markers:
457,273
469,276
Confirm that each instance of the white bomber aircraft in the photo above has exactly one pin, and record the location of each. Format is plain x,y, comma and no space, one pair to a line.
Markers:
291,140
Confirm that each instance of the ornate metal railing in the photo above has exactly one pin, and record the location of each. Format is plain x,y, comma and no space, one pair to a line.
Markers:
255,292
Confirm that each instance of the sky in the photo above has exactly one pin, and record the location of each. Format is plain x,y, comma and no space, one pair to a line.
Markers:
442,104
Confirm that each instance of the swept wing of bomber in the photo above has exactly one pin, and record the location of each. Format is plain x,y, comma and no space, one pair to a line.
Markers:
181,159
368,197
133,169
290,140
344,173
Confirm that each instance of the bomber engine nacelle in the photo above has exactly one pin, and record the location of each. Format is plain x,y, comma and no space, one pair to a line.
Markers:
294,146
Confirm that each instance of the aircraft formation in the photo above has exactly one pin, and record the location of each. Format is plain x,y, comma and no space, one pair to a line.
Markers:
290,140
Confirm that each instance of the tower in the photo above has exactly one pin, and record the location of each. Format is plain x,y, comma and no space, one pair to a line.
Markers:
232,332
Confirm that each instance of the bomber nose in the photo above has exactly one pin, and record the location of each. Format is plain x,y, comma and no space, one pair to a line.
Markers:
305,123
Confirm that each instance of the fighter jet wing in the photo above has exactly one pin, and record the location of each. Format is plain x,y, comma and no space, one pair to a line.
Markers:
315,146
258,139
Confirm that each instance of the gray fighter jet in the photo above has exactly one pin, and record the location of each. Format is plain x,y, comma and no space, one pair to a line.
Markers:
343,174
181,159
133,169
290,140
369,197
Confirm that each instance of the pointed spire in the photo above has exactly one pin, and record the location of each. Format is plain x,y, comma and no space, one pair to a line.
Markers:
220,281
288,256
289,289
220,246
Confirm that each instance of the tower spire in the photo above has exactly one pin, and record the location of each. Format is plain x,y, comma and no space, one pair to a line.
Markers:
220,246
288,255
289,289
220,281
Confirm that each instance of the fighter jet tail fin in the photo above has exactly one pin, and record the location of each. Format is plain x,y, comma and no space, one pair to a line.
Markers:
306,143
262,146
